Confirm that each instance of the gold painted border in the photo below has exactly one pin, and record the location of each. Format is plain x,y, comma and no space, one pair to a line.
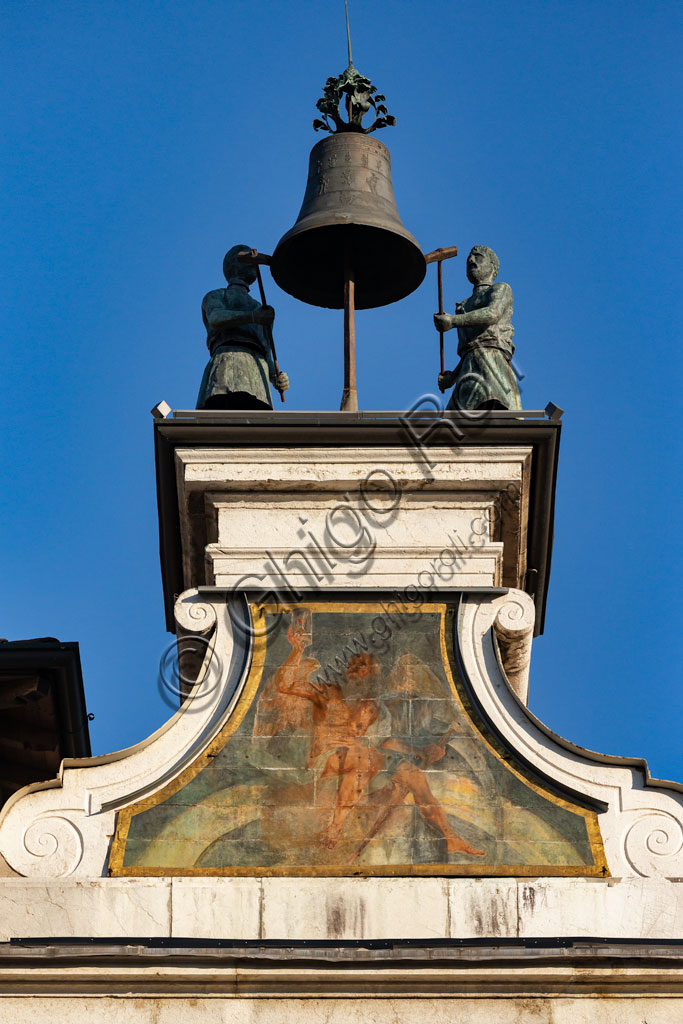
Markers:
123,818
528,777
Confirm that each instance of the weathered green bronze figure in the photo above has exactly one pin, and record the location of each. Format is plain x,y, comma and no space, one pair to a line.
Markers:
484,378
241,365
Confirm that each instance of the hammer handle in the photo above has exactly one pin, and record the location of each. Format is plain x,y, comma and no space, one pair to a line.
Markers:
269,333
440,283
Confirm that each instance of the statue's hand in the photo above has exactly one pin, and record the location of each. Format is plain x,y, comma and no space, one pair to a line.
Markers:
265,316
446,380
281,381
443,321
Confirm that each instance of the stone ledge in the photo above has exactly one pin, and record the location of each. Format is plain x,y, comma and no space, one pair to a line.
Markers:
342,909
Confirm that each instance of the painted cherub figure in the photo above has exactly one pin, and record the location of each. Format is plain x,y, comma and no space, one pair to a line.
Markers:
484,378
342,749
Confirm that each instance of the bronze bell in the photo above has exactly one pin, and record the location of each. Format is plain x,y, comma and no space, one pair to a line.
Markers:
348,215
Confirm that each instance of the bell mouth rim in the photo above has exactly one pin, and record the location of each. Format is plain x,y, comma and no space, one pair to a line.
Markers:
402,272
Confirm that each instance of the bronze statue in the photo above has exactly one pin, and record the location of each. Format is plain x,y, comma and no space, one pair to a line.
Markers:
484,378
241,365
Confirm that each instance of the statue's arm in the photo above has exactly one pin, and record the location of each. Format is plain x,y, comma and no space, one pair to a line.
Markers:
500,304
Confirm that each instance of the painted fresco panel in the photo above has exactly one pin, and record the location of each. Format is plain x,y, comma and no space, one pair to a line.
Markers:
353,750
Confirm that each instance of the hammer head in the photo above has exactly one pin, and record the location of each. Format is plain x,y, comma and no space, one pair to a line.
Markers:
254,256
441,254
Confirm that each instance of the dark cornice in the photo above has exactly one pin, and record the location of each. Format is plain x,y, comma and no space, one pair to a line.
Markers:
537,969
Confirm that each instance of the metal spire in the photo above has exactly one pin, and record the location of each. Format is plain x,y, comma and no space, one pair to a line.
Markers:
348,32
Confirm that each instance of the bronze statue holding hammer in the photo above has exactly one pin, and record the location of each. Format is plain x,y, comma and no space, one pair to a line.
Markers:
484,377
239,338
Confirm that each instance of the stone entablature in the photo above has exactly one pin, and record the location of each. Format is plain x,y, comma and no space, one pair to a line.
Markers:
569,981
355,518
366,500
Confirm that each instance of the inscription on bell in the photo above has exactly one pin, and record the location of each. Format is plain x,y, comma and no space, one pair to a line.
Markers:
349,176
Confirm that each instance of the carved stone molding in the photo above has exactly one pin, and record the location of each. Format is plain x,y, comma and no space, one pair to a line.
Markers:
313,516
641,819
63,827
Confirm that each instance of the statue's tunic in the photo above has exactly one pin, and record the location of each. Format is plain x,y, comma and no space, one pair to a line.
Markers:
484,374
241,362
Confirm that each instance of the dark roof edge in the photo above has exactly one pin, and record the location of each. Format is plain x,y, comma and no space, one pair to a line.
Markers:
62,660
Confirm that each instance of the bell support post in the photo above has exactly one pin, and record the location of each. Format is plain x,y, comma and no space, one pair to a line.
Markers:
349,402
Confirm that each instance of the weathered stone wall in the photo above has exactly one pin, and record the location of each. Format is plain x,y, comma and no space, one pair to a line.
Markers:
201,1009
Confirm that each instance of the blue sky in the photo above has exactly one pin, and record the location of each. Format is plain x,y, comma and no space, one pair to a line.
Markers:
143,139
